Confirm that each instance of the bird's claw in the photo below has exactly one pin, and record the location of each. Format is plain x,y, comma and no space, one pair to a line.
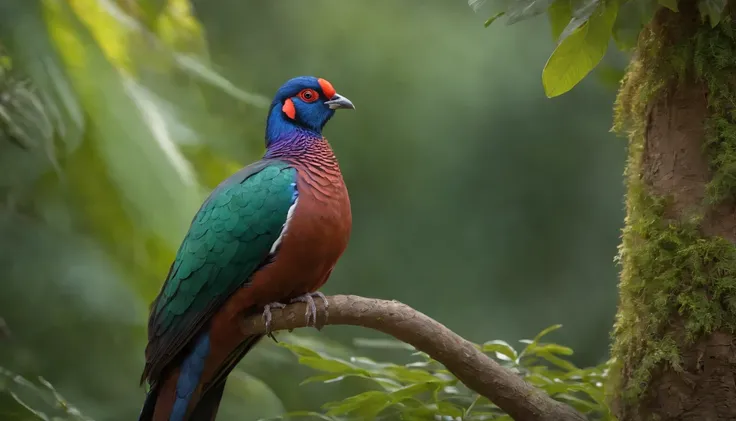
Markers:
267,317
311,313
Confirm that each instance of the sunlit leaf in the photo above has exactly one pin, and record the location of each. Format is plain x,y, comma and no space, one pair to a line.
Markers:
500,347
127,135
580,52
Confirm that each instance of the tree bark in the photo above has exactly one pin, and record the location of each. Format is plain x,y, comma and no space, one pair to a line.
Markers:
675,349
475,369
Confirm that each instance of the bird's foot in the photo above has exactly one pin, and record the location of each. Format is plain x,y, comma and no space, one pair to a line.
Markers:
311,313
267,317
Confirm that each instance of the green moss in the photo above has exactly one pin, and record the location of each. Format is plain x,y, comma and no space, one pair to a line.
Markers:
676,284
670,272
709,57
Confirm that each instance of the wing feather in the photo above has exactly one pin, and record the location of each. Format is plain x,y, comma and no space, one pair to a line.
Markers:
229,239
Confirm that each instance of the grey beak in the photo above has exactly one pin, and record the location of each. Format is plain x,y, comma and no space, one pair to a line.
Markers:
339,101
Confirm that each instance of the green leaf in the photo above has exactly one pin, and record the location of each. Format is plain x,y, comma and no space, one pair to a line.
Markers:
330,365
560,13
581,11
581,405
299,350
500,347
552,349
670,4
559,362
24,34
447,409
324,378
408,375
525,9
368,404
546,332
129,132
580,52
493,18
382,344
194,67
712,9
410,391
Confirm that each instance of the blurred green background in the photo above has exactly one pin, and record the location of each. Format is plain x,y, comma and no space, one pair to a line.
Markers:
476,199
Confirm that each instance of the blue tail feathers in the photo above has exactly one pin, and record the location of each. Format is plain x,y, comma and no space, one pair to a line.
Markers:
189,376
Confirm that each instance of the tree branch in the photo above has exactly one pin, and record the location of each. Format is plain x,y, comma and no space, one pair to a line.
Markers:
475,369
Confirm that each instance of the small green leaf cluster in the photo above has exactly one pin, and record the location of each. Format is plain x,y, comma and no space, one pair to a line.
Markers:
23,117
583,29
423,389
35,401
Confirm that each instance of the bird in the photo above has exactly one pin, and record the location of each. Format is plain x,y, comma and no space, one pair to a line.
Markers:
268,235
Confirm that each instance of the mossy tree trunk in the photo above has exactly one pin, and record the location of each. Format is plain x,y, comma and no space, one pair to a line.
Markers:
675,335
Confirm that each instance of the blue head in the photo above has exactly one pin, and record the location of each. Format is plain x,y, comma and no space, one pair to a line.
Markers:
303,103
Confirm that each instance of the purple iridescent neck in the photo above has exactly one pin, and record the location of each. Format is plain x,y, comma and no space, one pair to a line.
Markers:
286,138
292,144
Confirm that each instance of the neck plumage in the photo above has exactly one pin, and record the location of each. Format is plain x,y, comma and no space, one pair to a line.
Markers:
292,142
280,127
305,148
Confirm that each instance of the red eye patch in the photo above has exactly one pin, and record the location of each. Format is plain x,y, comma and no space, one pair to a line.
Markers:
289,109
327,88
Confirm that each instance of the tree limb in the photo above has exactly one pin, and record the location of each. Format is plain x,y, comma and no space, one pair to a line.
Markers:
475,369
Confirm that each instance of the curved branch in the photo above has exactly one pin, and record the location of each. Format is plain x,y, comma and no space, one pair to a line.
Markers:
509,391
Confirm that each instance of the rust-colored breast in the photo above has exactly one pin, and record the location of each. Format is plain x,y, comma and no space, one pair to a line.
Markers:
316,235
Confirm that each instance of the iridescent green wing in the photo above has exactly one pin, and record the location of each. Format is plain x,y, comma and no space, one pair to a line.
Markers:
229,239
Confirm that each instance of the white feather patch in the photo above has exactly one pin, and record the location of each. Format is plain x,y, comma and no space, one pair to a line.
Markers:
289,214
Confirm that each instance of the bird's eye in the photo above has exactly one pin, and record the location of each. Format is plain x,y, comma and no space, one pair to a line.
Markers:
308,95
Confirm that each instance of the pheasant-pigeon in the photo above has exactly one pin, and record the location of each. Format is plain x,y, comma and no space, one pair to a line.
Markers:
268,235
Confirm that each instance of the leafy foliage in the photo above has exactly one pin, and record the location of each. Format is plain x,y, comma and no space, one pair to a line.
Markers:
584,28
34,401
419,390
106,149
423,389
